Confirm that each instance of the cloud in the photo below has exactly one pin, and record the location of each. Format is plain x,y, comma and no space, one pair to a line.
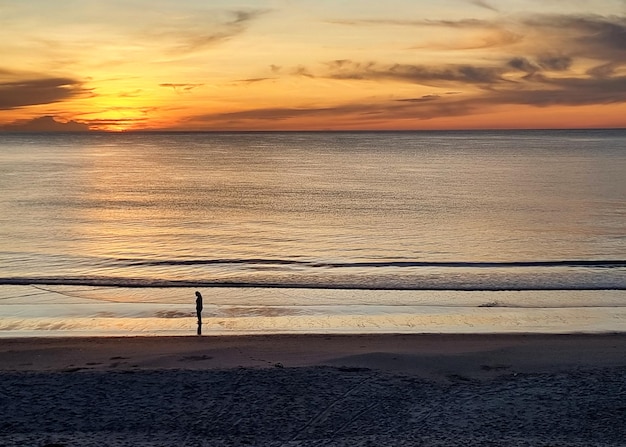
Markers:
277,113
593,36
464,23
181,88
28,92
45,124
192,34
555,62
604,70
483,4
366,114
417,74
302,71
130,94
253,80
121,123
424,98
542,63
545,66
479,33
566,91
570,92
523,64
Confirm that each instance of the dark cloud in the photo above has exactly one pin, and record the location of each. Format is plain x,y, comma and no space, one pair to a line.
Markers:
603,70
608,31
543,63
417,74
424,98
302,71
44,124
523,64
568,91
593,35
254,80
555,62
28,92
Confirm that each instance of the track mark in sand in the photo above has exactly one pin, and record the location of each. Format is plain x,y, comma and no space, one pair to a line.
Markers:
116,364
365,410
227,402
254,359
495,367
72,369
322,415
352,369
195,358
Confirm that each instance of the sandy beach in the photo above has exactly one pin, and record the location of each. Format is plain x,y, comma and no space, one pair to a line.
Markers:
305,390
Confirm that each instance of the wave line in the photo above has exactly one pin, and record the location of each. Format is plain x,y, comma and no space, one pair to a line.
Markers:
163,283
452,264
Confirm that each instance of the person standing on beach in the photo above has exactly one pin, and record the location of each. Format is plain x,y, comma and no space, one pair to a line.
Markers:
199,311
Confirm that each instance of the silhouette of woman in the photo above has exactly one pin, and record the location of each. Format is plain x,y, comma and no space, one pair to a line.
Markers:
199,311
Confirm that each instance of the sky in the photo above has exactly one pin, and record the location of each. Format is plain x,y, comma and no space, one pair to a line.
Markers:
124,65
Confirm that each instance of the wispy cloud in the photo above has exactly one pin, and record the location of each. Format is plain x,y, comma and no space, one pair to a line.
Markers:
180,87
365,112
189,34
253,80
465,23
596,35
484,4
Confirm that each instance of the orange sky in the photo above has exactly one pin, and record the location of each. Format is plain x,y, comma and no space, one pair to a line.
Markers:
122,65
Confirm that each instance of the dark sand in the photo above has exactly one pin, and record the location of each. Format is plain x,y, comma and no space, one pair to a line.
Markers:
315,390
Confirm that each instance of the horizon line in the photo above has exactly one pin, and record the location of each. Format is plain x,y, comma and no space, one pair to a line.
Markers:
162,131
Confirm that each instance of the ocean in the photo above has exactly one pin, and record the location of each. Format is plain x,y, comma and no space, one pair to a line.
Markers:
326,232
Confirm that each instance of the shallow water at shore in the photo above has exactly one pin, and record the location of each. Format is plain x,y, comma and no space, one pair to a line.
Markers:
78,311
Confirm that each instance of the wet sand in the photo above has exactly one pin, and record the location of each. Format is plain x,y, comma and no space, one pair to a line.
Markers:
305,390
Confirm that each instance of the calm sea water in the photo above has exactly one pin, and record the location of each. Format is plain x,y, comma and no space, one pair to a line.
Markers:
330,219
